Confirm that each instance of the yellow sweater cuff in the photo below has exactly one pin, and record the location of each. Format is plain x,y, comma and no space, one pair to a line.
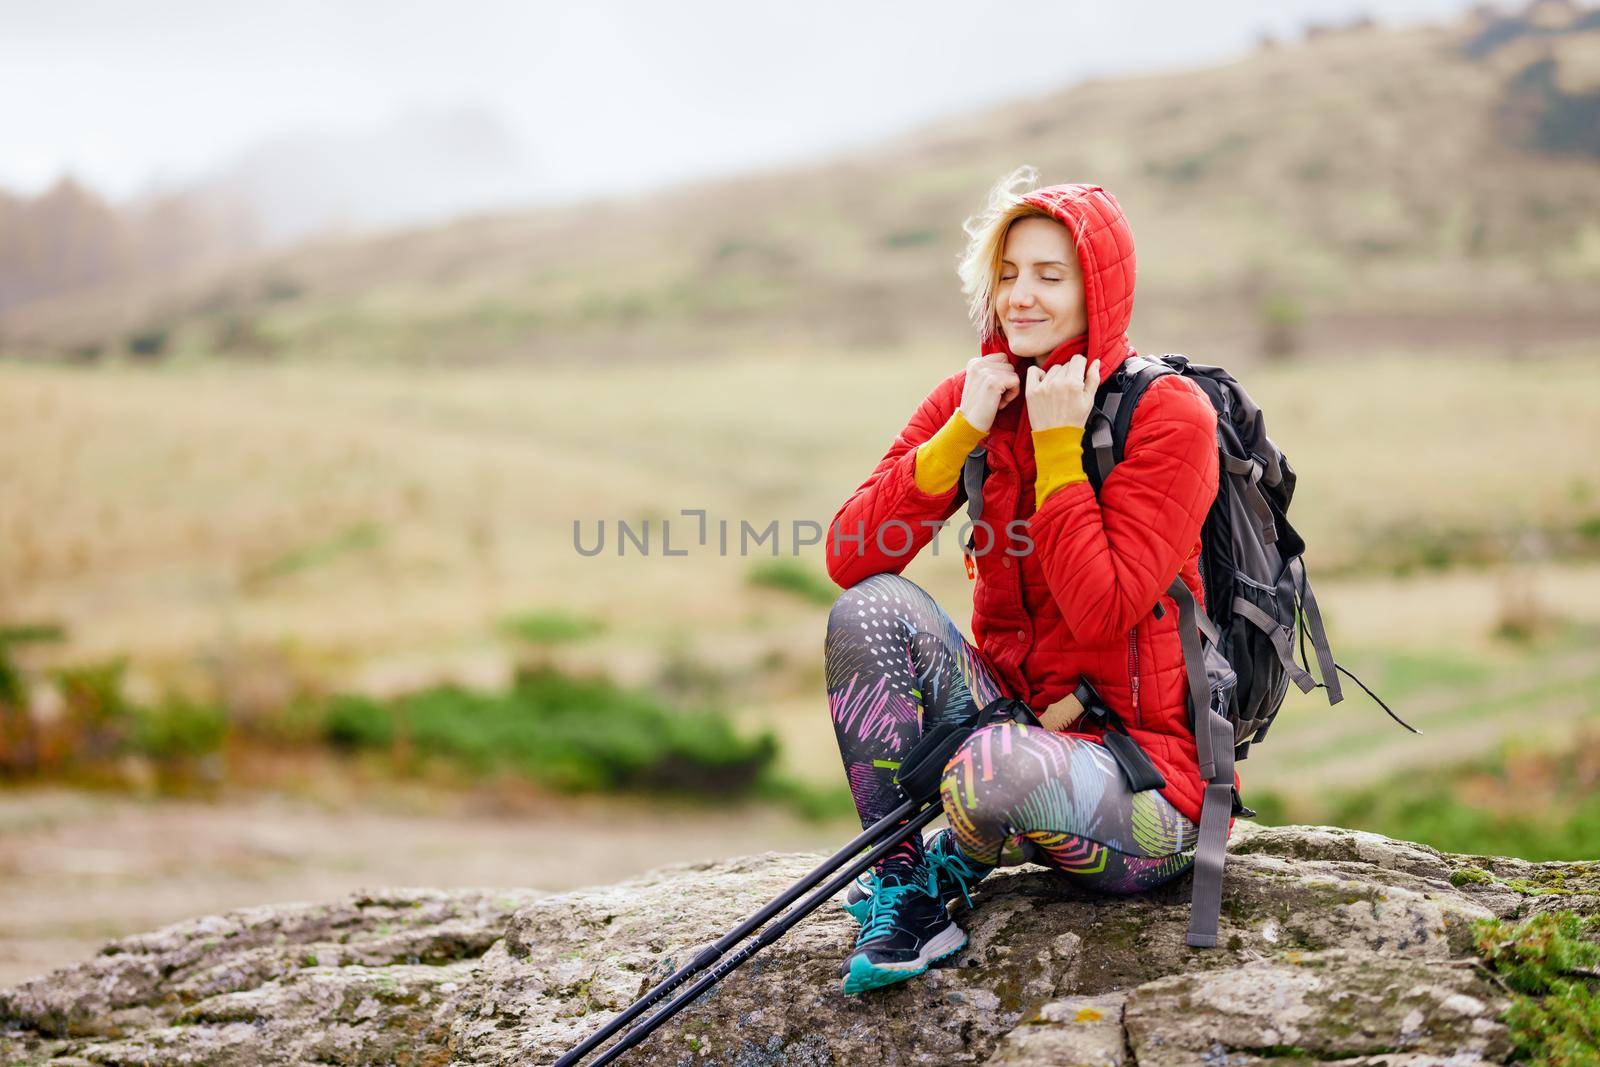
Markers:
940,457
1058,455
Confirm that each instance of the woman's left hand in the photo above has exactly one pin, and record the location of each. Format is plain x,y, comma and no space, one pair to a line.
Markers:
1062,395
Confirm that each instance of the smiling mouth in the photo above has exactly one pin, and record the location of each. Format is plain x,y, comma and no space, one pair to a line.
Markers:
1026,322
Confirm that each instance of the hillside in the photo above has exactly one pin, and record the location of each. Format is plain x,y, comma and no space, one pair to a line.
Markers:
1433,187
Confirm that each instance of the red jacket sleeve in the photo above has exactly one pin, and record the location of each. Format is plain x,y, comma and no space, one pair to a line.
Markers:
1108,560
888,520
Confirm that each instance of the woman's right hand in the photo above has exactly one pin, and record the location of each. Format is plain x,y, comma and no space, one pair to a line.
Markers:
990,385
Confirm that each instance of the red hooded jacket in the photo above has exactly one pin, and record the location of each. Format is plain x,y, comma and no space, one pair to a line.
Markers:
1081,602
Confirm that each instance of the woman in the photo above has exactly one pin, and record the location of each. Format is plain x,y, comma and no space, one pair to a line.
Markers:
1070,586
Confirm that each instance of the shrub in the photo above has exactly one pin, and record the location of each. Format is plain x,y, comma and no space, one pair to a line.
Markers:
148,343
353,722
177,730
1281,320
571,734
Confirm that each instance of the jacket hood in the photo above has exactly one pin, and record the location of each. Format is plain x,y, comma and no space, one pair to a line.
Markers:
1105,254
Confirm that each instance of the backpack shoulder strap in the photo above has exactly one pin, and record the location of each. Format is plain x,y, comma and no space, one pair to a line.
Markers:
1106,435
1140,376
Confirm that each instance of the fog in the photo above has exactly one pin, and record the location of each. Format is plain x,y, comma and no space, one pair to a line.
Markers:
301,106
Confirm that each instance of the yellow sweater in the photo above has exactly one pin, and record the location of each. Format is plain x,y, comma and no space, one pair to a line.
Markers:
1057,453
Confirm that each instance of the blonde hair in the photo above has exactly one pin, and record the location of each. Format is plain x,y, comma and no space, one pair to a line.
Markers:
979,266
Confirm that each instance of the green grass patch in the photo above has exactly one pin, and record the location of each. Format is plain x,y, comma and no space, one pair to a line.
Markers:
177,729
1405,672
11,685
357,537
1517,800
814,802
1551,965
571,734
795,578
550,626
568,733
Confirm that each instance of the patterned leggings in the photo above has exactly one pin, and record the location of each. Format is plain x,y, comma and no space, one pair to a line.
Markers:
1012,793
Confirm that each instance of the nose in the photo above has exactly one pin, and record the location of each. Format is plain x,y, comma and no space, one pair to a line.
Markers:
1021,295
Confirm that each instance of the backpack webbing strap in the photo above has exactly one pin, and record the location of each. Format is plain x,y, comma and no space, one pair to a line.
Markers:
1280,641
1205,906
1100,436
1319,636
1213,737
1194,666
973,472
1254,498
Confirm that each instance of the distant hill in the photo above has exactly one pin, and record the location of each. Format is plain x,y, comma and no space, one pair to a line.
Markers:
1429,188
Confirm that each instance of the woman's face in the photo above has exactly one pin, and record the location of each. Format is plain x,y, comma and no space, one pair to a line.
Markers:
1039,296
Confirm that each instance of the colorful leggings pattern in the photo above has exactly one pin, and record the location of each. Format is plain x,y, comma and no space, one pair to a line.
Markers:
1012,793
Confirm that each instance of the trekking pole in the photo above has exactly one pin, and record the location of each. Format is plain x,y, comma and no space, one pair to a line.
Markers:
711,953
919,778
726,966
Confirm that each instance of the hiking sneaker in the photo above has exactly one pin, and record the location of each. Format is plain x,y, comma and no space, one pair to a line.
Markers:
954,871
907,930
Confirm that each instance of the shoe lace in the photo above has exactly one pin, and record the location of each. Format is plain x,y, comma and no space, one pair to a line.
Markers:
886,909
954,864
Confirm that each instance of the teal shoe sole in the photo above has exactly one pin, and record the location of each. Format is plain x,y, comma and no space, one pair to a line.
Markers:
865,975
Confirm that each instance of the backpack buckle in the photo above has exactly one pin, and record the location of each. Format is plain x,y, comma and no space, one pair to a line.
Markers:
1136,766
1093,703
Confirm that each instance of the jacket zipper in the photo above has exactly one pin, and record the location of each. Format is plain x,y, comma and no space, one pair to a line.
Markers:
1133,673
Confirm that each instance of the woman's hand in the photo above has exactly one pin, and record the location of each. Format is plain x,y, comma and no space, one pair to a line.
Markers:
990,385
1062,395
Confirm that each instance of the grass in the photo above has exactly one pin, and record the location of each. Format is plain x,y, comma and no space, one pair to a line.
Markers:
550,626
457,492
795,578
564,732
1517,800
11,681
355,538
140,498
96,727
1550,964
810,800
570,734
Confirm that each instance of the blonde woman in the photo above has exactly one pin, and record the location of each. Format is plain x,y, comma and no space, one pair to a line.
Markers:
1070,585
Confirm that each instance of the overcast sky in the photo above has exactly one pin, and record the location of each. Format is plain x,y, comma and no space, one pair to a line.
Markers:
584,95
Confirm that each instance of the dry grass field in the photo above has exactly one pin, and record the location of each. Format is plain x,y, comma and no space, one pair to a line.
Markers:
247,530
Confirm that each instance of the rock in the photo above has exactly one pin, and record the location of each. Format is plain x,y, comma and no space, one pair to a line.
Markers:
1074,1032
1336,947
372,978
1337,1004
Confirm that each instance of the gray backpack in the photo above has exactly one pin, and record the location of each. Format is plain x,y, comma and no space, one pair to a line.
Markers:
1239,652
